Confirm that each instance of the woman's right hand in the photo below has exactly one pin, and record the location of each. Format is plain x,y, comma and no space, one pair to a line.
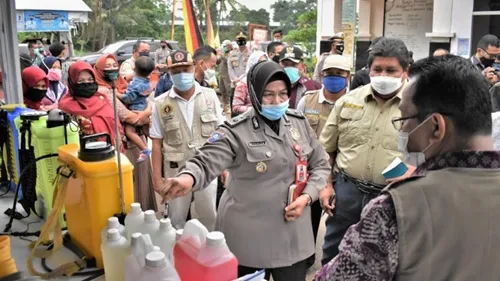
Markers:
143,117
176,187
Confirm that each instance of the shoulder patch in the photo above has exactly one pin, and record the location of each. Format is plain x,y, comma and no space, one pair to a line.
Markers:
215,136
233,122
295,113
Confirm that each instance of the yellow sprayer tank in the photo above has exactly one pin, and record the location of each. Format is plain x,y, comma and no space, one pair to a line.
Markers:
93,191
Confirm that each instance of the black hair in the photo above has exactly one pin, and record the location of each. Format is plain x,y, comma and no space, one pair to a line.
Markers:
144,66
278,31
452,86
376,40
204,53
56,49
271,48
390,47
488,40
410,57
138,44
31,43
495,97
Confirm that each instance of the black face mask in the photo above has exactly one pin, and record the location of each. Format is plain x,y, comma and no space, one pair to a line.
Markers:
276,58
84,90
487,62
241,43
110,74
163,46
35,95
339,48
144,54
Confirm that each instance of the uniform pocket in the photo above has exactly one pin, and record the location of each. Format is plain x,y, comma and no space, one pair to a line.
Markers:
351,114
258,165
390,142
173,133
208,124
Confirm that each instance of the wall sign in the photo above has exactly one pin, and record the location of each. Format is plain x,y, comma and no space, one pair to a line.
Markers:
43,21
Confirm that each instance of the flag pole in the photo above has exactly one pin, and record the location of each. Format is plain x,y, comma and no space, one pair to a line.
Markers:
172,28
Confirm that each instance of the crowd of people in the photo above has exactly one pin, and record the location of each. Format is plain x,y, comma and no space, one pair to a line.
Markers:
296,148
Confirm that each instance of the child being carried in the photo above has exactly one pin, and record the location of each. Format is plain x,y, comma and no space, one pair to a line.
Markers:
136,99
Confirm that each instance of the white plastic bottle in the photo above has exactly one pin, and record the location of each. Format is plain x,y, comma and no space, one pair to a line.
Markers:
178,234
114,250
151,225
134,219
158,269
112,223
165,238
140,246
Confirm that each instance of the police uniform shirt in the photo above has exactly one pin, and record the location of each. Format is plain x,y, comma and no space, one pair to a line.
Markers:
360,131
321,99
187,108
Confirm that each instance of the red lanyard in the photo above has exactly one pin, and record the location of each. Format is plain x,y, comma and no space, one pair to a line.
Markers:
301,173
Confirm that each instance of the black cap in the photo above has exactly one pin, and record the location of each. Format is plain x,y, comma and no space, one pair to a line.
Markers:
292,53
179,58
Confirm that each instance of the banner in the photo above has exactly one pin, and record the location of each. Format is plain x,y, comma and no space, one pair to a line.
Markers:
191,29
44,21
348,27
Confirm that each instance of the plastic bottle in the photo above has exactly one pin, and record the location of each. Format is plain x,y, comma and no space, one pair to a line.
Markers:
187,250
114,251
112,223
150,225
158,269
216,260
134,219
178,234
165,238
140,246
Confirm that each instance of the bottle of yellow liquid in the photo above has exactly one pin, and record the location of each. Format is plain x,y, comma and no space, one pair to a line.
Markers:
114,252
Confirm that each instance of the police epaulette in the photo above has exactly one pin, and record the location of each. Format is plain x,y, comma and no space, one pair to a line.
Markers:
233,122
295,113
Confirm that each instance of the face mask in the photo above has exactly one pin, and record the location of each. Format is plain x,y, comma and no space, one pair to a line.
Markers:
276,59
35,95
163,46
225,50
144,54
277,40
209,73
340,49
385,85
183,81
38,51
84,90
334,83
274,112
110,74
241,43
496,66
413,158
54,74
293,74
487,62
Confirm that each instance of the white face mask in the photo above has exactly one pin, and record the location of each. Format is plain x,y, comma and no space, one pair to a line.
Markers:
385,85
209,74
413,158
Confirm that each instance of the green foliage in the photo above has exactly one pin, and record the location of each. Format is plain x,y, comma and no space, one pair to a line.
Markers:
286,12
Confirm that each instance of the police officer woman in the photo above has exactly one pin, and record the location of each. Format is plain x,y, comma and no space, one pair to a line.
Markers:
262,149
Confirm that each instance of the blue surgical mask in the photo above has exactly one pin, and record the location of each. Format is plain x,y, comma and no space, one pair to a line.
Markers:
293,74
274,112
183,81
334,84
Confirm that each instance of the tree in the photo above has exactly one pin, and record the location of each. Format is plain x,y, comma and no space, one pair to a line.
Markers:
305,35
286,12
252,16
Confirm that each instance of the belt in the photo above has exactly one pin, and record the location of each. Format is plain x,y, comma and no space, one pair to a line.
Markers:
363,186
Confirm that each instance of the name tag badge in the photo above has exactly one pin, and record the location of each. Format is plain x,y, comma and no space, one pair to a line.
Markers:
257,143
312,111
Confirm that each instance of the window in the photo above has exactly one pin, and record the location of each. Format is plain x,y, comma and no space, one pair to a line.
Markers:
127,49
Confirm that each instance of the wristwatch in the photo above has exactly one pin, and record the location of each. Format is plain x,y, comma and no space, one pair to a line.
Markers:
309,202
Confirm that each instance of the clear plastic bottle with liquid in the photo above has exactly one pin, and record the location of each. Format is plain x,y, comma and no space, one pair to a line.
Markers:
112,223
134,219
165,238
150,225
114,251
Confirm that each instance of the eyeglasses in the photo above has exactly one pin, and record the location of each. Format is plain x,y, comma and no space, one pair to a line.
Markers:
492,56
399,122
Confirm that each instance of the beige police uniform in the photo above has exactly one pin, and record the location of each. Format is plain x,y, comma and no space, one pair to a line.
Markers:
262,168
317,75
224,79
316,109
180,143
237,63
127,67
360,130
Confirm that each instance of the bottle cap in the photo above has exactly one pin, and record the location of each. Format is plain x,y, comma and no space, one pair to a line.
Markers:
165,224
113,222
149,216
113,234
215,238
178,234
156,249
134,239
156,260
135,208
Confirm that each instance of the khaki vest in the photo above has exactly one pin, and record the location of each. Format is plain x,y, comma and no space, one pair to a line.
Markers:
180,144
317,113
448,225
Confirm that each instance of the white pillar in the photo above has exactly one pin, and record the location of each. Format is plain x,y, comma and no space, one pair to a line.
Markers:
364,17
441,21
377,12
461,25
9,52
329,20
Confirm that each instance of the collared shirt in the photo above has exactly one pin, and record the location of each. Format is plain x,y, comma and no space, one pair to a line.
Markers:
161,55
321,99
127,67
360,130
187,108
369,250
477,63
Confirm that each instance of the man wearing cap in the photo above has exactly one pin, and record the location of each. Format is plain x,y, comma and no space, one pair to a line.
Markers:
237,62
316,106
337,47
161,54
291,58
362,76
224,79
183,119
